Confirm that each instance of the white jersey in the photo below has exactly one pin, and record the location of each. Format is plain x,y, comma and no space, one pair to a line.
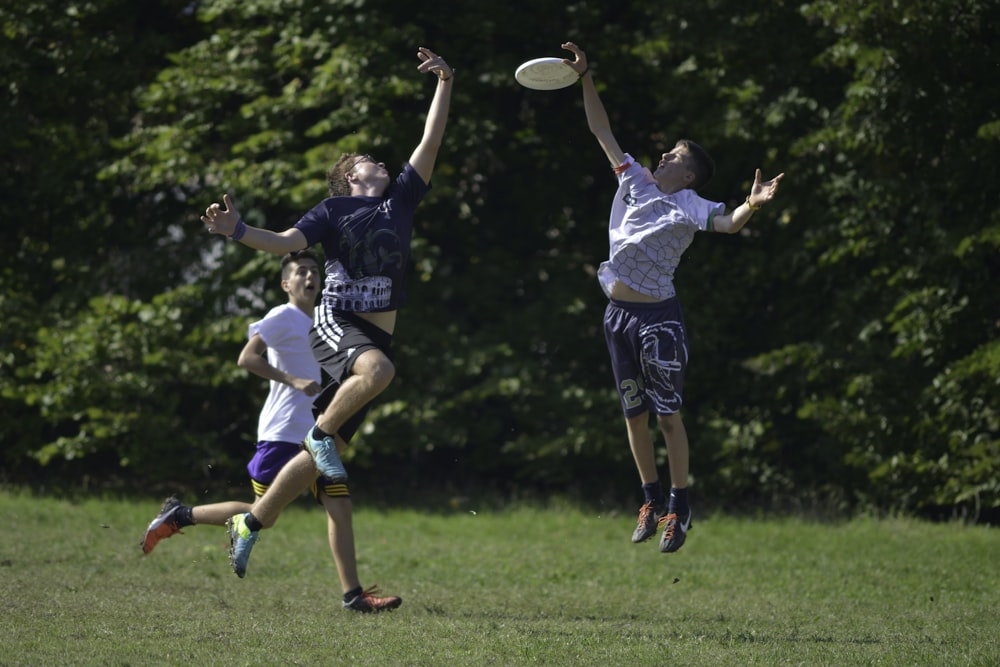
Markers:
287,412
649,230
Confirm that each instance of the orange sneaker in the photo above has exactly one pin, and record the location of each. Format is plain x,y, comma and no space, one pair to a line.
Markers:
163,526
369,602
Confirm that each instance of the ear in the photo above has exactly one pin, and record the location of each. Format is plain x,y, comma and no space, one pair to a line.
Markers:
285,286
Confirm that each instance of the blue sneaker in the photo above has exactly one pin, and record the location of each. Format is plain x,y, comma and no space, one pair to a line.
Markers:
241,541
324,453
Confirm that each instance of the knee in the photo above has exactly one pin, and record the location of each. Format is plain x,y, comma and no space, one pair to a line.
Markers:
670,424
379,371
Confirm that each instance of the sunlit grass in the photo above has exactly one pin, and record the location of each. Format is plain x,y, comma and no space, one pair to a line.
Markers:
522,585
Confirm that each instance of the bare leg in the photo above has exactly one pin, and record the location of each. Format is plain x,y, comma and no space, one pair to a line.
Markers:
676,438
297,475
640,439
216,514
371,374
341,534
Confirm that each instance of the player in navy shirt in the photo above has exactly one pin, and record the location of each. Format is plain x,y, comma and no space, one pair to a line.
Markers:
365,228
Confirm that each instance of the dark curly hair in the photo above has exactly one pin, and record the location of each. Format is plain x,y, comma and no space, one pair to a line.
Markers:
336,178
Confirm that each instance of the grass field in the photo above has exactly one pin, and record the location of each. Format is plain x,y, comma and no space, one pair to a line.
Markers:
525,585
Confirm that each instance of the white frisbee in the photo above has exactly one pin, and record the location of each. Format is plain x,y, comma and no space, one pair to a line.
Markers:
546,74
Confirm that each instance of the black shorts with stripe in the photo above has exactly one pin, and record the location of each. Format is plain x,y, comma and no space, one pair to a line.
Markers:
337,339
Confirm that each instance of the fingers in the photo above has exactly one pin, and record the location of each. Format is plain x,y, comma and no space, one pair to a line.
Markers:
424,53
214,212
432,62
579,63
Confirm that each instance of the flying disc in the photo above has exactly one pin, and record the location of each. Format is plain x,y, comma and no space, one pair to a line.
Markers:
546,74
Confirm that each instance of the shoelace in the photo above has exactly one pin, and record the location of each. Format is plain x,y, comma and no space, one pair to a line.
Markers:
644,513
672,521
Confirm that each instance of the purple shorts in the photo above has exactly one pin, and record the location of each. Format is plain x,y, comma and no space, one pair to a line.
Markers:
271,457
648,347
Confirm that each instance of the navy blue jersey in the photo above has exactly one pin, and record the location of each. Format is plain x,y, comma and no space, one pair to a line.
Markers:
367,244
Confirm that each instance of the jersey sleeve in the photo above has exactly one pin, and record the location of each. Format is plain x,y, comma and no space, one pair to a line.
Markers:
408,187
700,210
271,328
315,224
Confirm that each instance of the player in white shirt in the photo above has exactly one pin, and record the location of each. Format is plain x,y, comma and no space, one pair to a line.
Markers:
653,220
278,349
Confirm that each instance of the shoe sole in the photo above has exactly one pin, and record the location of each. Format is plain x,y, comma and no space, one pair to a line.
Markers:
339,478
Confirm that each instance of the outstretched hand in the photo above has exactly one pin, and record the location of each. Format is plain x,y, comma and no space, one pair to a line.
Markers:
579,63
221,219
432,62
763,192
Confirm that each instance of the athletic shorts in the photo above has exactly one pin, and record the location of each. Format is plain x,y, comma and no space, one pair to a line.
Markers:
648,347
271,457
337,340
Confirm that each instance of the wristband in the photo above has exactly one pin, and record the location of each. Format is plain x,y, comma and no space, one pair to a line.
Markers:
238,231
751,206
622,167
585,70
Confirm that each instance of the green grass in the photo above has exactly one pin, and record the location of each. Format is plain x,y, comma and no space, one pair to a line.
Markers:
526,585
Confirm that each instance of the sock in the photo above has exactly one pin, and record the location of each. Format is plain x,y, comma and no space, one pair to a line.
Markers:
654,493
679,501
253,523
319,434
183,516
353,593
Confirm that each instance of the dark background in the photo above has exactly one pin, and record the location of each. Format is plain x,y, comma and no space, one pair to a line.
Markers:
844,349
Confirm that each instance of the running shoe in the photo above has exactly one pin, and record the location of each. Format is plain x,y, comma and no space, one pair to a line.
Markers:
163,526
324,453
241,541
369,602
674,532
649,517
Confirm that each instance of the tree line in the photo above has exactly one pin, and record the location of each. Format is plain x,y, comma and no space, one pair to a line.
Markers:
844,347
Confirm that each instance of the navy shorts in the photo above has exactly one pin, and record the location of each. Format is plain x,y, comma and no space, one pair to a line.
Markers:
648,347
337,341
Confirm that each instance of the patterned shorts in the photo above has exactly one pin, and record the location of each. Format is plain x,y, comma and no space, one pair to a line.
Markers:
648,347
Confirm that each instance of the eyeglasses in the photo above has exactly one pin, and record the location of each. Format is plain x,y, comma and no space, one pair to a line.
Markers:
359,161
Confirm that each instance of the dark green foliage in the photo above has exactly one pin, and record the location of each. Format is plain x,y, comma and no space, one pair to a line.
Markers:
844,346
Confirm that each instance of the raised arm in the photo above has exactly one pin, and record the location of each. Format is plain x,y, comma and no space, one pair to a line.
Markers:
425,154
225,220
760,194
597,117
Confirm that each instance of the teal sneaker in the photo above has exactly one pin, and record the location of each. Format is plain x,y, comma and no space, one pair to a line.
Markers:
241,541
324,453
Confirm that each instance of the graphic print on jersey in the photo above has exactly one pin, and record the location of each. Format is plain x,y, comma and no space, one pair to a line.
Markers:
371,253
